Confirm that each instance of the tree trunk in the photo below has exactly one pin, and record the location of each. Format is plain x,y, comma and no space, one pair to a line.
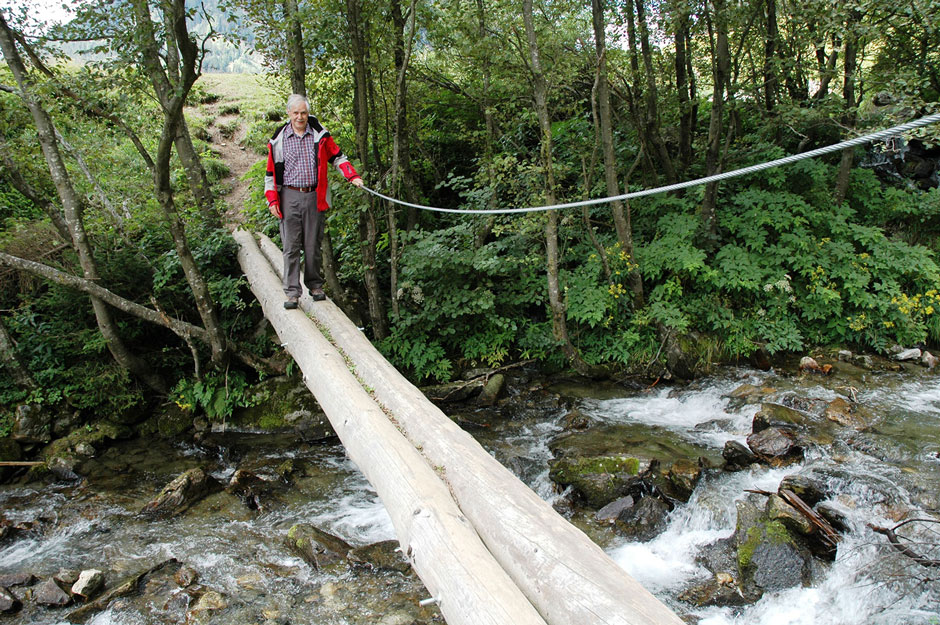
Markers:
622,218
849,103
682,85
172,98
826,67
770,55
540,95
721,69
73,214
654,137
295,44
368,232
196,174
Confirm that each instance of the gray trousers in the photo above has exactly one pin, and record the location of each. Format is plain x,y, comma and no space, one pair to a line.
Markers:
301,231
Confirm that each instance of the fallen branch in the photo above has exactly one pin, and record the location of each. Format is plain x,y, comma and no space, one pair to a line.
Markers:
903,549
20,463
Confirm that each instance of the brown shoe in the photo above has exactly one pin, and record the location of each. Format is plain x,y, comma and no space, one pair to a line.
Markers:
291,302
318,295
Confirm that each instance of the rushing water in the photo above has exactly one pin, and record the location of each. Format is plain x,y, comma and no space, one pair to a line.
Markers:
879,476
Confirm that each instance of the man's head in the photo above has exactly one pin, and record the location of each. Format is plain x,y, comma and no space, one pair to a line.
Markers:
298,110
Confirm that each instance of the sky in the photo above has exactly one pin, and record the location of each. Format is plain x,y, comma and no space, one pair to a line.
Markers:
46,10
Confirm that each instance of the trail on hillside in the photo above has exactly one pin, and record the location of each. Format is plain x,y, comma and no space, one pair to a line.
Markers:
238,158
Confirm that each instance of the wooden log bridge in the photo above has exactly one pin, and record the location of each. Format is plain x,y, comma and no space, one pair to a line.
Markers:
488,549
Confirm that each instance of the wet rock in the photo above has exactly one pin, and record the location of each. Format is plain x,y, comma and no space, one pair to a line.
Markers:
645,520
775,446
17,579
737,456
928,360
835,514
912,354
316,547
596,480
208,602
863,360
9,450
66,577
575,420
64,467
381,556
177,496
845,355
89,583
810,365
249,488
748,394
721,590
31,425
808,489
779,416
86,450
780,510
683,476
844,413
612,510
9,603
492,390
51,594
186,576
453,391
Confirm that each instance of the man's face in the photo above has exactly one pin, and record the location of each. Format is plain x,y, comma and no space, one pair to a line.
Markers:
298,117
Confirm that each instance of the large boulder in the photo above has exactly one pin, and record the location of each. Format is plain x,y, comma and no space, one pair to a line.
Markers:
51,594
645,520
32,425
776,446
597,480
283,404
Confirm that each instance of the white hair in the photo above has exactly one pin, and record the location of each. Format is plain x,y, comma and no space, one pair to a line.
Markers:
295,99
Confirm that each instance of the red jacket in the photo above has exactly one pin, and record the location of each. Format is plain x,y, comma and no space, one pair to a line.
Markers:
326,152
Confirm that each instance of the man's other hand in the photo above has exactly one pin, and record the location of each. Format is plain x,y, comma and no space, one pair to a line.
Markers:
357,181
275,209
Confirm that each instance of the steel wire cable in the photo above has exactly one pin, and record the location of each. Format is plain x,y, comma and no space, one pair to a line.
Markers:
875,136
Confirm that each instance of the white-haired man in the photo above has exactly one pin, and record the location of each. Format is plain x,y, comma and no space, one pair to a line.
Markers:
298,193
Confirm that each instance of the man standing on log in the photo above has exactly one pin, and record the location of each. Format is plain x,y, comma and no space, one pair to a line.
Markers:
298,193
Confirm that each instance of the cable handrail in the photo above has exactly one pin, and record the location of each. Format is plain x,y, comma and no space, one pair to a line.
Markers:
875,136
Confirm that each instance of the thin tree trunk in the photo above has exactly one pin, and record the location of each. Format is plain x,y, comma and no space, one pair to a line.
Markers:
196,174
770,55
172,98
826,67
30,193
73,214
849,104
368,232
295,44
622,218
540,95
654,137
682,85
721,68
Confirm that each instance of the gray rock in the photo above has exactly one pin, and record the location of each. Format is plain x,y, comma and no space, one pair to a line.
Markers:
86,450
720,590
645,520
177,496
31,424
66,577
908,354
928,360
777,566
51,594
780,510
17,579
780,416
381,556
186,576
612,510
316,547
775,446
737,456
89,583
809,489
8,602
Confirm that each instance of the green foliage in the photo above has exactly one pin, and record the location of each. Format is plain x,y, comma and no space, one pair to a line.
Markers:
217,394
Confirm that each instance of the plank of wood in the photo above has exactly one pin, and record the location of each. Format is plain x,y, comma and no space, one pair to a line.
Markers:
20,463
562,572
470,587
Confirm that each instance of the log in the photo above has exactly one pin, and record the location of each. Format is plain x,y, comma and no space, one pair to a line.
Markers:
468,584
21,463
565,575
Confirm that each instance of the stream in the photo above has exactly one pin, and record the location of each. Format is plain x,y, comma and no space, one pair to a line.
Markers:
881,475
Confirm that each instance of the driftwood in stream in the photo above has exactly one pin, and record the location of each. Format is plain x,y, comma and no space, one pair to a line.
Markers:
828,534
469,586
561,571
127,587
895,541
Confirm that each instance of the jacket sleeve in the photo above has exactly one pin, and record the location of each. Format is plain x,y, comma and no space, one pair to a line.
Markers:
339,160
270,188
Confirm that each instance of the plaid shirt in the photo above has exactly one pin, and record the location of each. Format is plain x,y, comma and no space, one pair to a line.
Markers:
300,159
